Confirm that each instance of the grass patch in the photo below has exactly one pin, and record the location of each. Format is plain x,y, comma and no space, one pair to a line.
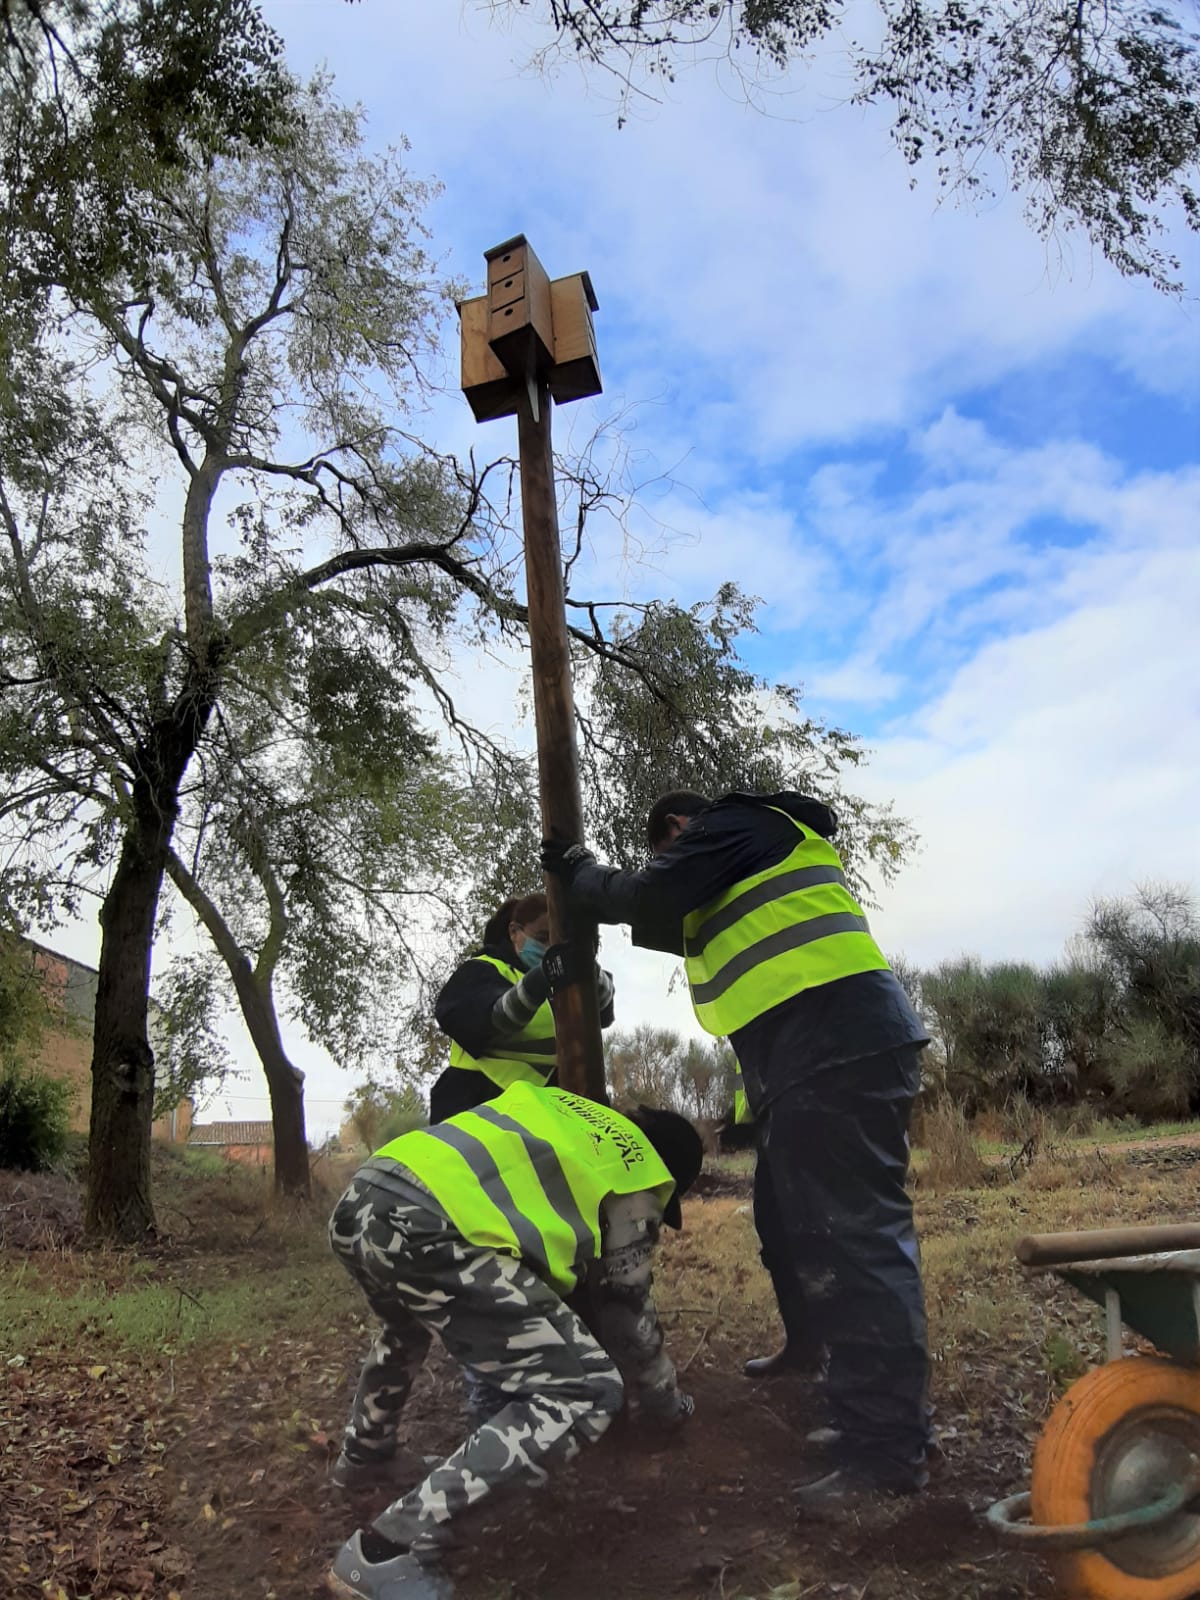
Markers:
1047,1129
238,1265
116,1311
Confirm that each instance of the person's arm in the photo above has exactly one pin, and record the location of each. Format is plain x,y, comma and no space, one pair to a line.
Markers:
479,1007
629,1327
684,877
717,849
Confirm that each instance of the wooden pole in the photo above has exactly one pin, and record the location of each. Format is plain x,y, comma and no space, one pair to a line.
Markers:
580,1053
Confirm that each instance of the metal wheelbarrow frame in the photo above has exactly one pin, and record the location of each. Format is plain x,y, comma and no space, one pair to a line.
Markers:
1140,1497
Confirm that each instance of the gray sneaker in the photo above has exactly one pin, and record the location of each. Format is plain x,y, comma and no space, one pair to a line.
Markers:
352,1577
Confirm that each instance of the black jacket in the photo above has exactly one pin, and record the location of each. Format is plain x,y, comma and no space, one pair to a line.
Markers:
463,1011
737,836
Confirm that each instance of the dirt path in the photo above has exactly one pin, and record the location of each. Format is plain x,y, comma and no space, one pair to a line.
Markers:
707,1514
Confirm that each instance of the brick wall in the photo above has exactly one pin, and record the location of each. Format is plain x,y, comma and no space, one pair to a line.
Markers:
65,1051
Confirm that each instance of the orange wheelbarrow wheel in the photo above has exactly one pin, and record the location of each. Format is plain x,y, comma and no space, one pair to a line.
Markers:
1120,1438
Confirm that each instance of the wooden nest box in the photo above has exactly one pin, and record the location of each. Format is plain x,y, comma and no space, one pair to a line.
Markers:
527,327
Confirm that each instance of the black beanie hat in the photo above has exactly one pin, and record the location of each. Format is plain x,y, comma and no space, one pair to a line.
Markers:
681,1149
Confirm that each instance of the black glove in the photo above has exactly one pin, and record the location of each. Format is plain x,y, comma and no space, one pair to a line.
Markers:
564,859
565,963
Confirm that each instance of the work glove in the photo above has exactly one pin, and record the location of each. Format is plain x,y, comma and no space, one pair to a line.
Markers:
565,963
564,859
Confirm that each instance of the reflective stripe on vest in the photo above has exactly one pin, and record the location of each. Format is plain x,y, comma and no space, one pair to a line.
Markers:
527,1173
525,1057
790,928
742,1113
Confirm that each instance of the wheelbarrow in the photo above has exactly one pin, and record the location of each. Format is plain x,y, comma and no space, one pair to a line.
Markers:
1115,1491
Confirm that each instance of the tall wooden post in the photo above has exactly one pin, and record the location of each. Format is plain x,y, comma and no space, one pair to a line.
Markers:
524,343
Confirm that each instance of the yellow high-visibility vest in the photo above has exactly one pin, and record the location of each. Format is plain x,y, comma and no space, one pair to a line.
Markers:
792,927
527,1173
525,1057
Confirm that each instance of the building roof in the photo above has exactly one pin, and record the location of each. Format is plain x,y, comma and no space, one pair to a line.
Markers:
79,982
231,1133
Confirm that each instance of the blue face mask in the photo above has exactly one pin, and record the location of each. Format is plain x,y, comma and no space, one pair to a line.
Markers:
530,954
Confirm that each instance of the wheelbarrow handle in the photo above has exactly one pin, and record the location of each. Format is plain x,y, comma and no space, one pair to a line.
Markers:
1099,1244
1007,1519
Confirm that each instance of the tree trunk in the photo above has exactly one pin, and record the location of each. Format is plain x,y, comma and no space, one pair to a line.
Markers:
285,1083
119,1206
253,986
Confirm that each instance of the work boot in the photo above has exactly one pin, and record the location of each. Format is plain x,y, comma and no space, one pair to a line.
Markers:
842,1491
793,1361
355,1475
829,1438
353,1577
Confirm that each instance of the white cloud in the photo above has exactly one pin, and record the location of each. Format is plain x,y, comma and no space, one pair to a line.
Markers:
770,292
1058,764
777,279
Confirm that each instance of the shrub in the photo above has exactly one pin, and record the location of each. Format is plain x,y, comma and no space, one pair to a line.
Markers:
953,1155
1152,1073
33,1118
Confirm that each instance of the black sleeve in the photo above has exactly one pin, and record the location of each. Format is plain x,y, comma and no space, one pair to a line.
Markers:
718,849
464,1008
459,1090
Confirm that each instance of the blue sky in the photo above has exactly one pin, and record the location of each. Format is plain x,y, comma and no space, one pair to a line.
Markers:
961,466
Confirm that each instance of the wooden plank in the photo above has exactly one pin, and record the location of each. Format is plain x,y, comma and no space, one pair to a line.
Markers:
520,319
576,370
489,390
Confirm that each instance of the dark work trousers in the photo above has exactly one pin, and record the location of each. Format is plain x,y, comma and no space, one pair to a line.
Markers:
793,1294
835,1148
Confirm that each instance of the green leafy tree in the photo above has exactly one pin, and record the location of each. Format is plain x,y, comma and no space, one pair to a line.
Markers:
675,706
1148,947
269,337
1081,1010
379,1112
192,1054
989,1025
1090,109
642,1064
22,1002
707,1069
1149,1071
34,1108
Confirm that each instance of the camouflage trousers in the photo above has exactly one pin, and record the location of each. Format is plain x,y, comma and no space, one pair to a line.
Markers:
499,1320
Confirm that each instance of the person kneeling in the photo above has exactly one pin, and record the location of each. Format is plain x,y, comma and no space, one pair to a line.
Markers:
476,1229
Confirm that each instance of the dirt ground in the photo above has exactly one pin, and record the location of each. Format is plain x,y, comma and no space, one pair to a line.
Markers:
138,1466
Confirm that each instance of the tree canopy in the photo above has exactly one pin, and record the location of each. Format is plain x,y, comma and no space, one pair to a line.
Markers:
235,581
1115,1025
1089,108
